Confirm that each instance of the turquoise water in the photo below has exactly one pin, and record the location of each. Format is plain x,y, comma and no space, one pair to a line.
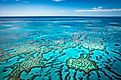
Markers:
60,48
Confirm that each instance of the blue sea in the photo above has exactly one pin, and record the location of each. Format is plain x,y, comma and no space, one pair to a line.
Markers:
60,48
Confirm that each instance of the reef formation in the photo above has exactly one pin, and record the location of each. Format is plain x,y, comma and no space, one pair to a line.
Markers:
82,63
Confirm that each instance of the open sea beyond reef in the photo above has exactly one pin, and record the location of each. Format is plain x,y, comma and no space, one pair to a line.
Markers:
60,48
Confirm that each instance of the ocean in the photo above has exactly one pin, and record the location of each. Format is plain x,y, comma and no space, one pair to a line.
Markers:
60,48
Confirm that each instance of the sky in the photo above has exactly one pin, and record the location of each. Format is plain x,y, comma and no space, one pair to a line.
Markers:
60,7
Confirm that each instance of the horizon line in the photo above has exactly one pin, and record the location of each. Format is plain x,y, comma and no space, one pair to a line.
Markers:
54,16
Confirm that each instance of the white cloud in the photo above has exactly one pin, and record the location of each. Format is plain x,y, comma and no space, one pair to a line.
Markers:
24,1
38,10
58,0
99,9
95,8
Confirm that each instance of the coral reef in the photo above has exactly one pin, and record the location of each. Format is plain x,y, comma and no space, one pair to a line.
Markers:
19,49
82,64
93,43
26,65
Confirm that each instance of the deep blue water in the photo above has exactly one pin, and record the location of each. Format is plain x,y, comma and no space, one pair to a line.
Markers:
60,48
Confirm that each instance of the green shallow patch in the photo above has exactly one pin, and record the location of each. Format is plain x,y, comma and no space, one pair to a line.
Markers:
82,64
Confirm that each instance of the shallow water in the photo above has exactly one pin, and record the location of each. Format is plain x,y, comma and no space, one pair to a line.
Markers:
60,48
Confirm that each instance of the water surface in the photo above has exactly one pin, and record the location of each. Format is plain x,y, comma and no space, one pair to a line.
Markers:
60,48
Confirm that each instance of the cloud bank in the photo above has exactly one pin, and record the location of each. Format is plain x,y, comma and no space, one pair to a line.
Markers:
38,10
58,0
99,9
